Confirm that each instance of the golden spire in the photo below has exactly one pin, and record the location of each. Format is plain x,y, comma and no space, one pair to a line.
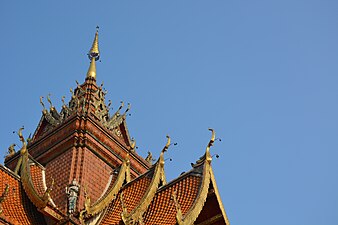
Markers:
94,55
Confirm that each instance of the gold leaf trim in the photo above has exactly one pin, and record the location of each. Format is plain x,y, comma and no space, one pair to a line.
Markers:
27,183
191,216
218,197
136,215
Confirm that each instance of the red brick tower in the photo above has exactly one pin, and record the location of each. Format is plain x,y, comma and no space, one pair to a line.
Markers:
83,142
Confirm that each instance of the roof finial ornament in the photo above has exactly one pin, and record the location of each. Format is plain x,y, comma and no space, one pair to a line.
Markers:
211,143
49,100
93,55
41,102
167,145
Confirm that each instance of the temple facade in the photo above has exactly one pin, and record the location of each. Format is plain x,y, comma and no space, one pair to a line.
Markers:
81,167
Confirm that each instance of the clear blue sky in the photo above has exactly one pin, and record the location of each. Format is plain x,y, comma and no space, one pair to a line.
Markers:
263,74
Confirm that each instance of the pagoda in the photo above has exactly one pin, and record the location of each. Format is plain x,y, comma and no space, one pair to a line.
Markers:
81,167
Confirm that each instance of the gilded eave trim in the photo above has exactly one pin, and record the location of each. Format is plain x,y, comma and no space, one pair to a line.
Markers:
191,216
27,183
219,200
136,214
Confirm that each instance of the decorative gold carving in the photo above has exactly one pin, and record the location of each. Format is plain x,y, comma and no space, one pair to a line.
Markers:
128,108
46,195
111,194
3,197
118,132
86,206
11,151
149,158
136,214
51,212
167,145
179,215
41,102
128,178
205,161
26,179
132,145
49,101
124,210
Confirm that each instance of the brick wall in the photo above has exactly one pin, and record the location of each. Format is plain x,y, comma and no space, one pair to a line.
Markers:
59,169
94,176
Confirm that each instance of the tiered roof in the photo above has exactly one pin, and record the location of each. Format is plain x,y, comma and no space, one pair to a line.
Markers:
124,188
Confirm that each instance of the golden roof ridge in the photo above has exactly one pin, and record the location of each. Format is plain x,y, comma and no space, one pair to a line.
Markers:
191,216
136,214
40,202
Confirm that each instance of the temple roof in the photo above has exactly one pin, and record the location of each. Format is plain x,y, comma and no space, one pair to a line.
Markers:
134,197
15,206
99,177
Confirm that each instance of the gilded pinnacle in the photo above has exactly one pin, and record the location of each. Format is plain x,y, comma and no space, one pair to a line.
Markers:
94,55
92,69
94,52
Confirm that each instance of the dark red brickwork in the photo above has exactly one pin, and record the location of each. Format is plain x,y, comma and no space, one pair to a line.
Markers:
94,176
60,169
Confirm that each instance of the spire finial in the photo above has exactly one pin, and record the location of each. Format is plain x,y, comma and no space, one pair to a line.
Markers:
94,52
94,55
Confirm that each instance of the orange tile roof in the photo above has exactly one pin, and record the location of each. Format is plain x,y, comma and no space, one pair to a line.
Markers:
162,209
17,208
132,194
37,178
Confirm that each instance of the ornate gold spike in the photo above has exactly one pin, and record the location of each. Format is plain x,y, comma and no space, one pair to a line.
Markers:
3,197
41,102
23,151
72,92
94,51
149,158
207,176
121,106
211,142
22,139
63,100
93,55
109,104
128,108
167,145
50,101
212,139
